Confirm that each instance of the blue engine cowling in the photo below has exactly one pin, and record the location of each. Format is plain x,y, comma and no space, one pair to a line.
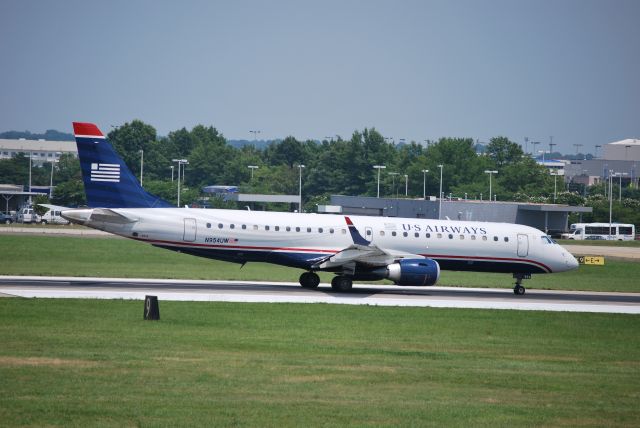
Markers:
416,272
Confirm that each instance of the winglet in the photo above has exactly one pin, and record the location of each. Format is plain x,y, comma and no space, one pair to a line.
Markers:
355,235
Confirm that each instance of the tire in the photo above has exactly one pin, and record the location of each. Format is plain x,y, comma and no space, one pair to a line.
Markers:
309,280
43,221
7,221
341,284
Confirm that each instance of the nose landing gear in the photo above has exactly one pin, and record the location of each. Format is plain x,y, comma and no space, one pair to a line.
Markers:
518,289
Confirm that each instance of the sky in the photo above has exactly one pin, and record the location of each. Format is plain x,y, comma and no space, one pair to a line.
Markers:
414,70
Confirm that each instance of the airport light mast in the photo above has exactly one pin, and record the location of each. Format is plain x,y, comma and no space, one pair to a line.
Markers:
424,183
379,167
490,172
180,163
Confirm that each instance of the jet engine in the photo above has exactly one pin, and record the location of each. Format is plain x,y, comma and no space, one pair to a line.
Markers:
415,272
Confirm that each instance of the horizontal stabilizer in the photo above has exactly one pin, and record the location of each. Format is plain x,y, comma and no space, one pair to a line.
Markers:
106,215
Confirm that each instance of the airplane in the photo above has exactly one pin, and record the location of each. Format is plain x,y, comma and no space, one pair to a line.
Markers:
407,251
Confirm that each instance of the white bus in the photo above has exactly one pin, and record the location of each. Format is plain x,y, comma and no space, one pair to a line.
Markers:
601,231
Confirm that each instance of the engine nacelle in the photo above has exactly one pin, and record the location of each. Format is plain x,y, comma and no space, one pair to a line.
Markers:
416,272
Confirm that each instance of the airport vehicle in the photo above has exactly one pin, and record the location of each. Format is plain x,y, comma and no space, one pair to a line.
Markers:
617,232
7,218
53,215
407,251
28,215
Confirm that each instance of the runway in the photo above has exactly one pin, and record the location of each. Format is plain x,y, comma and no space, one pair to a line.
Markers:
279,292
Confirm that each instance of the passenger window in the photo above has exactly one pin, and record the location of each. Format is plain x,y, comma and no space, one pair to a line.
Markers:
232,226
288,228
382,233
219,225
255,227
320,230
308,230
368,232
450,236
393,234
439,235
462,237
428,235
208,225
331,230
297,229
495,238
344,231
484,238
417,235
405,234
244,226
277,228
473,237
506,239
266,228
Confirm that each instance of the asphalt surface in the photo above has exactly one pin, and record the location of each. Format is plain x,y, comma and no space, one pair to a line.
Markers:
276,292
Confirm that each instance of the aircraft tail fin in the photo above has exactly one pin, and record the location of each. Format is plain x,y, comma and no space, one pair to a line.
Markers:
108,182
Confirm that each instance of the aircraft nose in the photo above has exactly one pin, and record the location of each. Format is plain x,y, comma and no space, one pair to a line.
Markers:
571,261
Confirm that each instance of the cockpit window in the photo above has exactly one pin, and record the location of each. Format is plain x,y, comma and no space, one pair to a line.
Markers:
547,240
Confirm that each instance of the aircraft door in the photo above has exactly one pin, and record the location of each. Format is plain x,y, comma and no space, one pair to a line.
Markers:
368,234
523,245
189,230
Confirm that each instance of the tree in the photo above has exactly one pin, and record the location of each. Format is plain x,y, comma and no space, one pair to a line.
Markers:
503,152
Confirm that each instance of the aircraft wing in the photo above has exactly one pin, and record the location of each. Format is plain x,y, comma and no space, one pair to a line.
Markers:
368,255
363,252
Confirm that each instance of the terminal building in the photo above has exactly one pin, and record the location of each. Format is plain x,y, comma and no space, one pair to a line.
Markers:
41,151
619,159
551,218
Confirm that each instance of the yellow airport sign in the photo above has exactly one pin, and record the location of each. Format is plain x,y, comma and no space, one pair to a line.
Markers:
591,260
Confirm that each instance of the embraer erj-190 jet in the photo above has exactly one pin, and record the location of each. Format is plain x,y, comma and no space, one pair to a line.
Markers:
409,252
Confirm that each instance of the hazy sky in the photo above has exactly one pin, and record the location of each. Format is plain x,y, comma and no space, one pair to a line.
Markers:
411,69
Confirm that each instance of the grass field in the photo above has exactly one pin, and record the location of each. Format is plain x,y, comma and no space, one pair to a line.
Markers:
74,256
75,362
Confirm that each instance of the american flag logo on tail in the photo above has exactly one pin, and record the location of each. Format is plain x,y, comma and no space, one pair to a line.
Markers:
105,172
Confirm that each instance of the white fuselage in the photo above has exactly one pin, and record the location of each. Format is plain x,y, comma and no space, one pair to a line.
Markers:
300,240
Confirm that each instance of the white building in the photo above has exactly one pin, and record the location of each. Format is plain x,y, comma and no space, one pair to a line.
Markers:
41,150
624,150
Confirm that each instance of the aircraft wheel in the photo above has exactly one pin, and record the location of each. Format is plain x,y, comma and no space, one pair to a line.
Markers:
519,290
341,284
309,280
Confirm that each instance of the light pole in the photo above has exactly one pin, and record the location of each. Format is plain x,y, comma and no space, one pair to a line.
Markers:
534,144
526,145
440,194
620,175
577,146
393,181
551,147
379,167
30,156
490,172
406,185
555,187
300,188
424,183
141,165
255,134
543,152
172,173
610,198
180,163
252,167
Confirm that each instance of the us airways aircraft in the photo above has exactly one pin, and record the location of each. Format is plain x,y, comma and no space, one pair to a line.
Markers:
406,251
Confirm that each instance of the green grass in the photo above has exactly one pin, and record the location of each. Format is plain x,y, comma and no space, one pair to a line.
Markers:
75,256
89,362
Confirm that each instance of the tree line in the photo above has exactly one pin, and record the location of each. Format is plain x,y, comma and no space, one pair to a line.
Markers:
336,166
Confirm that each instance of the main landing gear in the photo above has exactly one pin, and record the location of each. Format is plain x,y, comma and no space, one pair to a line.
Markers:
518,289
342,283
309,280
